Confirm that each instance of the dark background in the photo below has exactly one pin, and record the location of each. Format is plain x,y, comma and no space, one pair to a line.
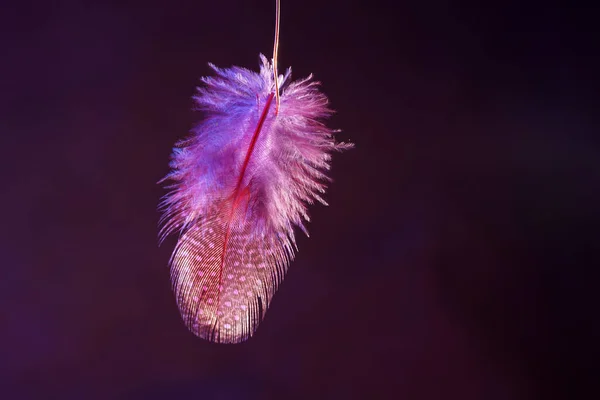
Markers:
455,260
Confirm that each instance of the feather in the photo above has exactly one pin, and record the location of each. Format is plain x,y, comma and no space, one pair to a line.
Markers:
240,184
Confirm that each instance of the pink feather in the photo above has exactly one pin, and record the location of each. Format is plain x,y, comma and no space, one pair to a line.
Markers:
241,182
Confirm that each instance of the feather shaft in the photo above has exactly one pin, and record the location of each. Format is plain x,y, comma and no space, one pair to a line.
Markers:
237,193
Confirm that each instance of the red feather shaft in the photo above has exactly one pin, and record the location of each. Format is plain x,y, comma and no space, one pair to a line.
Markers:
236,192
259,126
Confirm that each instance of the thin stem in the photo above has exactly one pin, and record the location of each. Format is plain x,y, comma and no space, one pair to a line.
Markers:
275,51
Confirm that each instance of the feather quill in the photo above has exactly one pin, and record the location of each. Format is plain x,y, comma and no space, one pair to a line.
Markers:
240,183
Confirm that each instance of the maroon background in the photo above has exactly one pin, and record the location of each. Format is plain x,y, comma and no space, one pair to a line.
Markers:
454,260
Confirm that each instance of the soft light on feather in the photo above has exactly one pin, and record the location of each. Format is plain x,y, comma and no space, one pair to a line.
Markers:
241,182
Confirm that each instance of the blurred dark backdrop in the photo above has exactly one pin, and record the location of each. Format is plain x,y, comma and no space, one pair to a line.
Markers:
455,261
